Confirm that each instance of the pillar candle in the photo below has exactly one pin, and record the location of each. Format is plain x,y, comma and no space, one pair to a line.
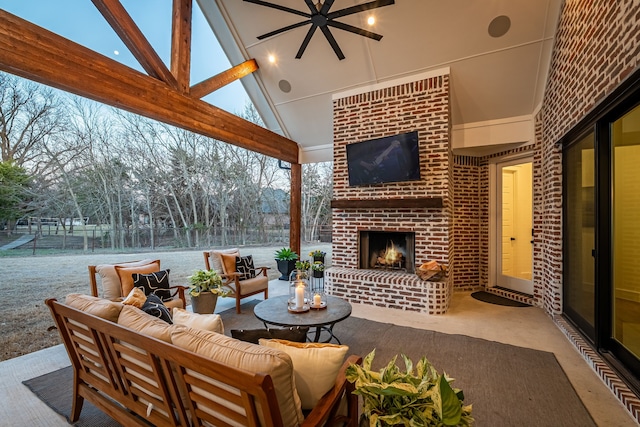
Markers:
316,300
299,296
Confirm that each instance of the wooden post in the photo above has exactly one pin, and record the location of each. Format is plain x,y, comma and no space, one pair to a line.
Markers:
295,210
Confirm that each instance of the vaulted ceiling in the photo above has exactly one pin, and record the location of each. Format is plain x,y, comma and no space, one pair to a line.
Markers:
495,77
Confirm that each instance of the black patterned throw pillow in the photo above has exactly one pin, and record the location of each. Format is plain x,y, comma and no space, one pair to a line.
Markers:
293,333
244,267
154,283
154,306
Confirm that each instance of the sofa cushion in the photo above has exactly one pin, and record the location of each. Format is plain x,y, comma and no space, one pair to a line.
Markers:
216,258
206,322
125,274
110,281
154,283
136,298
244,266
316,366
100,307
294,333
154,306
136,319
249,357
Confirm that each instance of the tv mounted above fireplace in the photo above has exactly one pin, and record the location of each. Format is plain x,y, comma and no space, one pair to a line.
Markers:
389,159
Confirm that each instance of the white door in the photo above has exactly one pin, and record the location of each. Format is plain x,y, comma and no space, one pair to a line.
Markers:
514,226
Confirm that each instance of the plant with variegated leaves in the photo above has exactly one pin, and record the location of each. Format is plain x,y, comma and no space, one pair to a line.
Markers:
392,397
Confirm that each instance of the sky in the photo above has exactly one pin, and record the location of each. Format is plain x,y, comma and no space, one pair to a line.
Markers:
80,21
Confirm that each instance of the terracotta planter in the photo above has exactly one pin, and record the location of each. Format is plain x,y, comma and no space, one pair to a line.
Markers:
205,303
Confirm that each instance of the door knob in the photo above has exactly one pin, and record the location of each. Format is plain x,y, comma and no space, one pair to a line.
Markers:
513,238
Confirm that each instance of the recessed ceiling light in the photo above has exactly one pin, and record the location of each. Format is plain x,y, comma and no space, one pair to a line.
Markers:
499,26
272,59
115,52
371,20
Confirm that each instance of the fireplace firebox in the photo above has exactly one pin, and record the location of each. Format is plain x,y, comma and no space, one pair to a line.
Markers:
387,250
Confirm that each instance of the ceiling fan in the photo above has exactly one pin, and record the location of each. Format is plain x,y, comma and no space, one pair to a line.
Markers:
320,17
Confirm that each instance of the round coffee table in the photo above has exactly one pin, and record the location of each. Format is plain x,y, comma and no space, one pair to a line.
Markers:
273,311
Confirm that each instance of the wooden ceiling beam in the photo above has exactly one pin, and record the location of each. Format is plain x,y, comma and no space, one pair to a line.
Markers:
214,83
40,55
124,26
181,44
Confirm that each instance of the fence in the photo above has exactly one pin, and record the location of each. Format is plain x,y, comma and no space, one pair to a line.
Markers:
53,237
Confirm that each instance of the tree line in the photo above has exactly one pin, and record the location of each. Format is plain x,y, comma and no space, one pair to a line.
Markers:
65,157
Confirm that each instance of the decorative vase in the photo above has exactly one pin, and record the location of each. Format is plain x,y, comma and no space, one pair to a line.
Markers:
285,267
205,303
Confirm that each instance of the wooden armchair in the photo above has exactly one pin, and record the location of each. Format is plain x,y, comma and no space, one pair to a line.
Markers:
117,281
224,263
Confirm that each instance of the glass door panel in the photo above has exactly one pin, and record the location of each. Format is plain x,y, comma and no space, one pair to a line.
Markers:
625,134
579,273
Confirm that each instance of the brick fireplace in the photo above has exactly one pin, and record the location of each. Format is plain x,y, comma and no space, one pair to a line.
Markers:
418,209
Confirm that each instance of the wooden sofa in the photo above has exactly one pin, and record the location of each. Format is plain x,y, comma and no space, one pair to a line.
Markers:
140,380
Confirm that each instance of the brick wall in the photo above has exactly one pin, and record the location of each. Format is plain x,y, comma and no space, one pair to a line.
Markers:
597,46
421,106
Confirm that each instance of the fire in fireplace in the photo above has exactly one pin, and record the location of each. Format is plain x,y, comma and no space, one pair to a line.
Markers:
387,250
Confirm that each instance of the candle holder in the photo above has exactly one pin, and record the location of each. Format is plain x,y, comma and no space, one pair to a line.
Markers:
299,295
318,300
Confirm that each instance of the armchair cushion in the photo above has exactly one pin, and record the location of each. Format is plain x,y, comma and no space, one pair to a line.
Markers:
229,263
154,306
125,274
111,288
250,357
315,365
154,283
254,285
216,258
244,266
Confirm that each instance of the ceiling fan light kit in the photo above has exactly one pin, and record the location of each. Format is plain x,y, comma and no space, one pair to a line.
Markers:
320,17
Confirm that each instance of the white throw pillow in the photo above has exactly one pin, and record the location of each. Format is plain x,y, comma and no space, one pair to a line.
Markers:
315,366
205,322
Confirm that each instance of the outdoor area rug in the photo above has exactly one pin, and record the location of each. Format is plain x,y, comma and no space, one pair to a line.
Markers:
507,385
497,299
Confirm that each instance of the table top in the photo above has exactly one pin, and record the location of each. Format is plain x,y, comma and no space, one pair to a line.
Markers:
274,311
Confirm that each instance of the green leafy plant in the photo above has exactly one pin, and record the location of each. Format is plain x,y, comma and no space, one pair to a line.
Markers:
303,265
286,254
394,397
317,266
206,281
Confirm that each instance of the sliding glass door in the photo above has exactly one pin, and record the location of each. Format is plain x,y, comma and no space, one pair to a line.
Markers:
579,220
601,276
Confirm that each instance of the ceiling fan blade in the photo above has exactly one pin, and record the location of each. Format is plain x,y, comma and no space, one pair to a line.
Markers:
326,6
356,30
360,8
306,41
283,29
279,7
332,41
311,6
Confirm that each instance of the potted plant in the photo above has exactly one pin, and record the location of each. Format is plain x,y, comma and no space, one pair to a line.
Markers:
286,260
394,397
318,255
318,269
205,286
303,265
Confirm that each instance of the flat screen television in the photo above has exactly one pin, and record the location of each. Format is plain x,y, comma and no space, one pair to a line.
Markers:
389,159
